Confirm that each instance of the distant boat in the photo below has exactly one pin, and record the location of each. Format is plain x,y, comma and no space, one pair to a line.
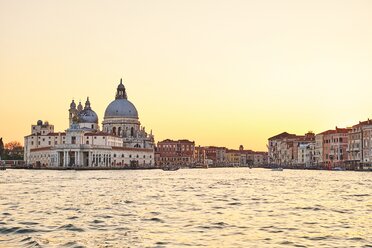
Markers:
338,169
199,166
277,169
170,168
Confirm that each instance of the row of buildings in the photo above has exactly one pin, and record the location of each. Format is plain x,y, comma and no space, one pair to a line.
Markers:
121,142
349,148
185,153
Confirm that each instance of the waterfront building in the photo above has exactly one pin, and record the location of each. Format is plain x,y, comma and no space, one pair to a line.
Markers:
213,155
308,141
283,149
243,157
360,143
279,148
306,154
122,142
200,157
335,144
175,152
260,158
318,153
234,157
216,154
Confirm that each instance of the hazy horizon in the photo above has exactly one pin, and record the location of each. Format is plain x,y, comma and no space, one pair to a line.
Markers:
224,73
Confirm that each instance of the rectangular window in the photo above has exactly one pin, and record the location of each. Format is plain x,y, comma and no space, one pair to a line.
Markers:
73,140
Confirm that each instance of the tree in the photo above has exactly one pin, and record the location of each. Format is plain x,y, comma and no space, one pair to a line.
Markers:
13,151
13,145
1,148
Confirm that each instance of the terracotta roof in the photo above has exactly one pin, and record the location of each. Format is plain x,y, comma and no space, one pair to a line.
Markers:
363,123
283,135
165,155
261,153
177,141
214,147
337,130
117,148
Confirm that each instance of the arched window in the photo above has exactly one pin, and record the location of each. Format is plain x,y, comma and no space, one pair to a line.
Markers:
119,131
114,130
132,131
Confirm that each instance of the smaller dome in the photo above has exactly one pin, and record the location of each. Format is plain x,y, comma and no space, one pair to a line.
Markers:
39,122
88,116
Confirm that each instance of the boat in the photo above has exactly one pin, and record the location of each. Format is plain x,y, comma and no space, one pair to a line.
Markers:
338,169
277,169
170,168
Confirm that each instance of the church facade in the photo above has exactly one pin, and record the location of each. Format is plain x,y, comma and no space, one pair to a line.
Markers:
121,143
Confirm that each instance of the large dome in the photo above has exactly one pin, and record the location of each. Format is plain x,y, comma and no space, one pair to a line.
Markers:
121,108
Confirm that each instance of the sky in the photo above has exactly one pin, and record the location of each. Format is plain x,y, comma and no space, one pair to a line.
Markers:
217,72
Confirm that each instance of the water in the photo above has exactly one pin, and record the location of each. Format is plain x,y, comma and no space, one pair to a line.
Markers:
187,208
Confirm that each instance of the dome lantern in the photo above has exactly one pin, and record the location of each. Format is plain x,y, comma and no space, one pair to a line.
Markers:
120,91
87,104
121,107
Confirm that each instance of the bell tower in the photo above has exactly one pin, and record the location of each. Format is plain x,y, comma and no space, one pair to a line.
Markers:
72,112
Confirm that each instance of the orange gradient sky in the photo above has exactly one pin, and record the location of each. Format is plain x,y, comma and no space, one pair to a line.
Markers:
218,72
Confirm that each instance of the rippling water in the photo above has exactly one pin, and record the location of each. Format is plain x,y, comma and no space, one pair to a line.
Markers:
212,208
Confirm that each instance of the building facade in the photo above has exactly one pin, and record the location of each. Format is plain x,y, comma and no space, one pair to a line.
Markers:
335,146
279,148
214,156
288,149
175,152
122,142
360,143
318,153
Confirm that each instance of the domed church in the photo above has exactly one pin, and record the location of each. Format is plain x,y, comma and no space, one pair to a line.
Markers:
122,142
121,119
